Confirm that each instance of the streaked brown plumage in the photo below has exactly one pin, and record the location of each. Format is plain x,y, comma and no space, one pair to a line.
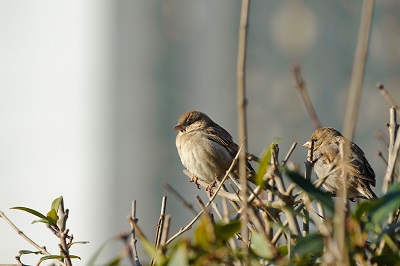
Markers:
205,148
327,164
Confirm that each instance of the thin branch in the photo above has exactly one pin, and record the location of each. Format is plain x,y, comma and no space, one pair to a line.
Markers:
306,218
387,96
241,92
61,223
252,157
137,229
380,136
221,193
216,210
357,77
134,255
380,155
175,193
160,225
394,145
30,241
302,89
278,234
164,236
340,250
293,224
210,228
289,153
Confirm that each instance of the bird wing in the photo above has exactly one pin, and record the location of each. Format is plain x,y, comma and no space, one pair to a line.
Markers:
362,165
359,165
214,132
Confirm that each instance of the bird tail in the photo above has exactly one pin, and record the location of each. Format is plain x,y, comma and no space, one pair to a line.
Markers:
368,193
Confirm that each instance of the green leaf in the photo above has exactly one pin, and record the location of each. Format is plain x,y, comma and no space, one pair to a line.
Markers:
260,246
225,231
283,250
55,205
52,216
363,208
80,242
378,209
45,221
310,244
22,252
201,235
31,211
180,256
310,189
385,205
262,169
115,261
386,259
265,163
55,257
151,250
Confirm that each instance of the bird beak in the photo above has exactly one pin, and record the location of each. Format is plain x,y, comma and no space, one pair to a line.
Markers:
179,127
307,145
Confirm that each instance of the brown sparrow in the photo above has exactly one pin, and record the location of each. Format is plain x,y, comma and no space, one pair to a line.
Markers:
327,164
206,149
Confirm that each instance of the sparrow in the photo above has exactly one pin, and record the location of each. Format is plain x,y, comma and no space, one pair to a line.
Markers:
205,148
327,160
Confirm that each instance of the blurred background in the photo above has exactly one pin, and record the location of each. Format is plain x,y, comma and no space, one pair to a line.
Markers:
90,92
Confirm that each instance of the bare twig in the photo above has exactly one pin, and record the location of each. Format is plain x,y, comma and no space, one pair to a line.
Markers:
134,255
302,89
221,193
61,223
165,231
394,145
209,225
252,157
380,155
387,96
137,229
306,218
381,136
340,250
321,224
216,210
30,241
241,92
160,225
357,77
260,229
289,153
278,234
185,203
293,224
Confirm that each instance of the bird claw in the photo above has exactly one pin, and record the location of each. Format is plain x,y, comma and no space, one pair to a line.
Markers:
211,185
194,179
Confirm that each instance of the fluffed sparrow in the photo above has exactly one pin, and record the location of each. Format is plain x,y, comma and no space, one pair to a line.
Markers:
205,148
327,164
